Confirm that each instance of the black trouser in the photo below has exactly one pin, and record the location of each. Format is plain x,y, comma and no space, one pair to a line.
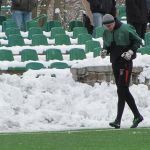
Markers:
140,28
122,72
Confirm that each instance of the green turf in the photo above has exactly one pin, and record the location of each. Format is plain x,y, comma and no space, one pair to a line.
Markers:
127,139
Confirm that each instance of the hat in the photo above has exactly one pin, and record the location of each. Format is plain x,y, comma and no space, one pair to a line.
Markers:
108,19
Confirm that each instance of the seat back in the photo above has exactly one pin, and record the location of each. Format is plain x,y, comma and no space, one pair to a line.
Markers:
56,30
62,39
144,50
29,54
11,31
34,30
79,30
90,45
39,39
8,24
99,32
147,39
15,40
77,54
52,23
75,23
59,65
6,55
30,24
96,51
82,38
52,54
34,66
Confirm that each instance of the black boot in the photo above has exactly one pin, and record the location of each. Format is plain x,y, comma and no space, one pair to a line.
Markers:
136,121
115,124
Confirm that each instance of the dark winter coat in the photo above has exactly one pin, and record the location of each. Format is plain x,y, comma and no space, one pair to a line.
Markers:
120,40
103,6
24,5
136,11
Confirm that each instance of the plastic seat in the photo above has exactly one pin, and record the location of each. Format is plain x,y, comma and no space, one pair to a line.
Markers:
34,30
15,40
122,12
56,30
75,23
34,66
29,54
99,32
96,51
11,31
52,54
144,50
6,55
51,24
79,30
62,39
59,65
8,24
82,38
39,39
90,45
147,39
77,54
30,24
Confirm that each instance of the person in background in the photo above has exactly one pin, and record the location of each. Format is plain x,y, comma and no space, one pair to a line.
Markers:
121,41
96,9
22,11
137,15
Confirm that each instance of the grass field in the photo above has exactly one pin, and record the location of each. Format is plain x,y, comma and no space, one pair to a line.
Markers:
96,139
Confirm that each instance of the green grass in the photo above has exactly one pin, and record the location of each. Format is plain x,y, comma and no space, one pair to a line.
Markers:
126,139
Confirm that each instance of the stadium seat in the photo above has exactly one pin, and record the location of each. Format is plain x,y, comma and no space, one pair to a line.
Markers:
99,32
59,65
121,12
6,55
51,24
147,39
82,38
96,51
34,30
15,40
34,66
39,39
62,39
75,23
90,45
77,54
30,24
10,31
144,50
52,54
79,30
56,30
29,54
8,24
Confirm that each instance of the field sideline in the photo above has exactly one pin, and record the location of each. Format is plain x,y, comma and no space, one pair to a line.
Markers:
94,139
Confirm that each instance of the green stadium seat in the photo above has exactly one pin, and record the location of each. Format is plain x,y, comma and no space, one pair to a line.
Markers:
99,32
79,30
39,39
77,54
15,40
144,50
147,39
96,51
75,23
29,54
6,55
52,54
59,65
8,24
30,24
10,31
34,30
82,38
121,12
62,39
51,24
56,30
34,66
90,45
